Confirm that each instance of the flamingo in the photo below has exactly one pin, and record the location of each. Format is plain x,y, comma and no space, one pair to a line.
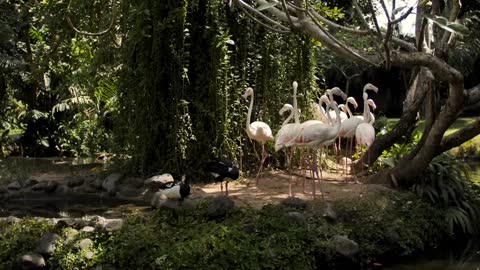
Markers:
317,135
287,132
258,131
365,133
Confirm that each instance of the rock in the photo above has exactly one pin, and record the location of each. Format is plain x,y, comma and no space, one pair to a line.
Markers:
14,186
88,229
75,181
52,186
297,218
65,222
32,261
220,207
98,222
110,183
46,244
295,203
11,219
89,255
329,214
345,246
70,235
85,244
30,182
157,200
40,186
113,225
97,183
62,189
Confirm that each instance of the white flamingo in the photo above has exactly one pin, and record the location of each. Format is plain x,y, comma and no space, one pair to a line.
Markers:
365,133
258,131
287,132
317,135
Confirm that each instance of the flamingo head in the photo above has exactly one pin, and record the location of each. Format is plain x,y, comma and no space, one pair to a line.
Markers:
352,101
343,108
365,96
285,108
248,92
336,91
295,85
372,104
370,86
323,99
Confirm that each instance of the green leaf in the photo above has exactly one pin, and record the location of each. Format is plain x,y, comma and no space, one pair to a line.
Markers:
266,6
443,23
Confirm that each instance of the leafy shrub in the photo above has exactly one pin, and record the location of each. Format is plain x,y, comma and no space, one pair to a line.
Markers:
446,183
20,238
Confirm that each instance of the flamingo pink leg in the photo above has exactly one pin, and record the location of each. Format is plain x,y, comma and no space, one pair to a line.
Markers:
264,156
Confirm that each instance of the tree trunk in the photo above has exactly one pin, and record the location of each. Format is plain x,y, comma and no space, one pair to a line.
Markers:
405,125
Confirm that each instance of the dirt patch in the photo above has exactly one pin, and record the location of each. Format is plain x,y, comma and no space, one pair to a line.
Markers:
273,187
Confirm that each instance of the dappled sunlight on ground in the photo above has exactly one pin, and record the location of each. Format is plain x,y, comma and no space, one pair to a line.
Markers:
273,188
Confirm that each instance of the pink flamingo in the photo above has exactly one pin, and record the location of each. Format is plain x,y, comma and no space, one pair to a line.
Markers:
287,132
258,131
317,135
365,133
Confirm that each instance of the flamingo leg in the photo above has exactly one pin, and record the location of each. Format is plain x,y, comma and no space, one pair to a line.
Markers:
321,176
290,176
221,187
264,156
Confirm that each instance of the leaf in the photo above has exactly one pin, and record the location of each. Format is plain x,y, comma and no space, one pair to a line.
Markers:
266,6
397,10
231,42
458,27
44,142
443,23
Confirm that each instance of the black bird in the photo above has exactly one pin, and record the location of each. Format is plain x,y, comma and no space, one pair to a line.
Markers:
222,170
176,189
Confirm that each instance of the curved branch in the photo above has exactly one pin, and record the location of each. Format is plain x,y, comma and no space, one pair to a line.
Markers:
459,137
244,6
110,26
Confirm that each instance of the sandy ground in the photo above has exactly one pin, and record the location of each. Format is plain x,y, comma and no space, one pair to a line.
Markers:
273,187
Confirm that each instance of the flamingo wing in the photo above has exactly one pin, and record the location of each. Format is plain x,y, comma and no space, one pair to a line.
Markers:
261,131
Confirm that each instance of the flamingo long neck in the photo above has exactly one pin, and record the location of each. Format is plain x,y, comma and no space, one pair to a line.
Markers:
366,111
288,118
338,123
349,112
325,115
249,115
295,106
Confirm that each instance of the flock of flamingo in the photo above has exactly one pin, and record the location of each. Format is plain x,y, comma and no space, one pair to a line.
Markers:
329,125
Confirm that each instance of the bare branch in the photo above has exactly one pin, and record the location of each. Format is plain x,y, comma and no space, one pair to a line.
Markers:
110,26
346,48
246,7
453,16
288,14
472,96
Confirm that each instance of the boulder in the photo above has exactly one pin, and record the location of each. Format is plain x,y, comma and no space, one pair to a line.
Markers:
113,225
296,218
220,206
295,202
110,183
88,229
329,214
40,186
32,261
30,182
75,181
345,246
46,244
85,244
14,186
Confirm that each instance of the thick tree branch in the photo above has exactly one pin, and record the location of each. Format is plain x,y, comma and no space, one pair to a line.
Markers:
472,96
456,139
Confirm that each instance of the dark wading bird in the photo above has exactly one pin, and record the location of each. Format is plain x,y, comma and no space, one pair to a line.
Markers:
222,170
